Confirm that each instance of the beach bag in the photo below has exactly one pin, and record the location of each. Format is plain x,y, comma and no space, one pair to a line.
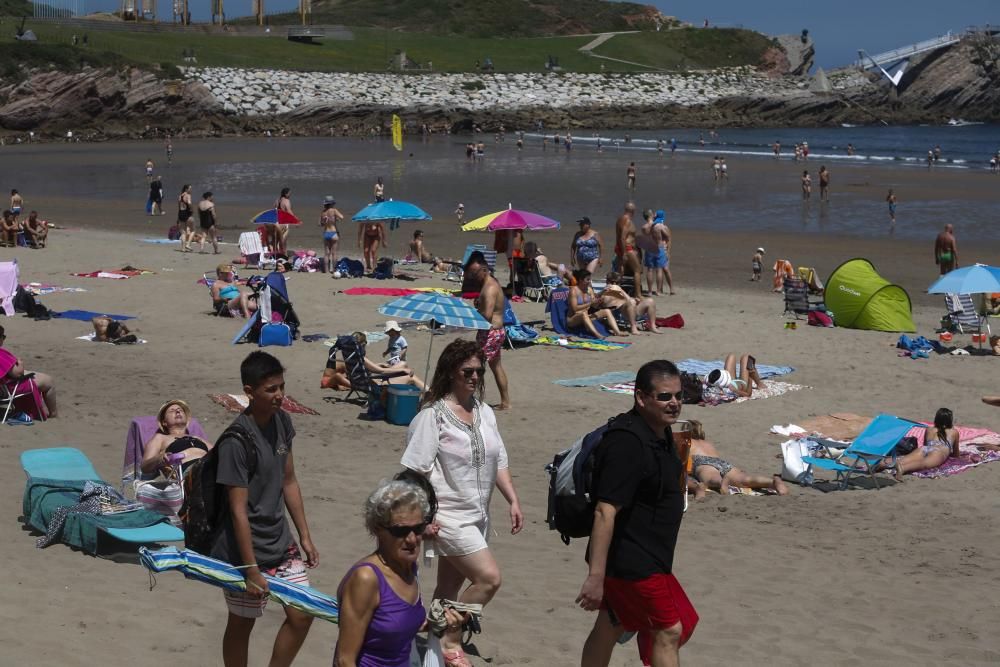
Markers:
571,475
692,387
275,333
793,468
205,502
383,269
818,318
174,233
350,267
905,446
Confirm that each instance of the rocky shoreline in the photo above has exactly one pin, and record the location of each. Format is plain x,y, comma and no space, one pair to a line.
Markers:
105,104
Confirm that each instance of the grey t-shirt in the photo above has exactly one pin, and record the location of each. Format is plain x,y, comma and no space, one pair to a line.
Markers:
269,530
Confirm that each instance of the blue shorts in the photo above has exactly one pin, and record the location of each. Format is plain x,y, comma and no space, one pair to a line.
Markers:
655,260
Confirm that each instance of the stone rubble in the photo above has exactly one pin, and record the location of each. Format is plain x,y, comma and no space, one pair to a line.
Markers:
275,92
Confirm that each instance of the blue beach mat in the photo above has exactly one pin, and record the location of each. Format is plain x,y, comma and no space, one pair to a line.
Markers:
87,315
613,377
699,367
163,241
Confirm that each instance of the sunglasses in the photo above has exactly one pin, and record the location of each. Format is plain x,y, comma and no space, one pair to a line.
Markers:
467,373
666,396
403,532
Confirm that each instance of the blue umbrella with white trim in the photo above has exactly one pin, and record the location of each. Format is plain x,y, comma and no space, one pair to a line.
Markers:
450,311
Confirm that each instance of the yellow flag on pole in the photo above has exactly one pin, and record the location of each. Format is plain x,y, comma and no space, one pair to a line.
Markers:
397,133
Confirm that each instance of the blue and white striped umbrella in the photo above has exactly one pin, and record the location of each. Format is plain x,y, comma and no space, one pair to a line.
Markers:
425,306
451,311
217,573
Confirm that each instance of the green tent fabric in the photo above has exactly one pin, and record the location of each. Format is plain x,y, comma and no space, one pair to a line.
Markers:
860,298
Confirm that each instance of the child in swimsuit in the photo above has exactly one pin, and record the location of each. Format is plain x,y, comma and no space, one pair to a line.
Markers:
757,263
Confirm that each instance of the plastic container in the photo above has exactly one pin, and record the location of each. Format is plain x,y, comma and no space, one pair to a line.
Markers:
945,337
403,404
979,338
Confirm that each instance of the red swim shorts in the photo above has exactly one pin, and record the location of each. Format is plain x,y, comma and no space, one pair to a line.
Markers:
650,604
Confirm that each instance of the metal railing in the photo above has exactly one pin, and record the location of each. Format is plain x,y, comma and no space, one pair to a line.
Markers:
888,57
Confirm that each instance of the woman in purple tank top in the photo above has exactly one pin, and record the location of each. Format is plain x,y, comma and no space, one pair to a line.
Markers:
380,606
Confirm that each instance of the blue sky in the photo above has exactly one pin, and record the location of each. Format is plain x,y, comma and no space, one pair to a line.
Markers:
841,27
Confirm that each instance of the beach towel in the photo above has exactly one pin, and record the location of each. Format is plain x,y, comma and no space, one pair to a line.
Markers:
90,338
393,291
970,458
159,241
769,390
239,403
115,274
575,344
88,315
675,321
43,497
372,336
702,368
41,289
612,377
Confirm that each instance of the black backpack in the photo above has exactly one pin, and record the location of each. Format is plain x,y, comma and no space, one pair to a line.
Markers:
205,502
571,478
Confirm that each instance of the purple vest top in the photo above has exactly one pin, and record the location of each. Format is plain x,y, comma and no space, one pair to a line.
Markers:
393,626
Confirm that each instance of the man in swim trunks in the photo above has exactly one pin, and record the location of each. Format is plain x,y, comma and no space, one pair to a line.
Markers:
490,304
625,248
653,241
16,204
946,250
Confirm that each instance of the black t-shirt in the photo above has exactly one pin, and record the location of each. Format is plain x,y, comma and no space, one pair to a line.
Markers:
639,471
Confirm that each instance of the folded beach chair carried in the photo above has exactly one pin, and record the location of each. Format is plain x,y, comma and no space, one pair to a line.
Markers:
159,495
364,384
557,310
516,331
962,313
873,445
254,252
56,478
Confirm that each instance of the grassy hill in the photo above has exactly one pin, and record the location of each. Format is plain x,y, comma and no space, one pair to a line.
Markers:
488,18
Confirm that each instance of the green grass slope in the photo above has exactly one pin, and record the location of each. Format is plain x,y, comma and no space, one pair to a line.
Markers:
689,48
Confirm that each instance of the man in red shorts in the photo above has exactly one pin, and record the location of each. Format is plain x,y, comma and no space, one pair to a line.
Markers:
639,487
490,304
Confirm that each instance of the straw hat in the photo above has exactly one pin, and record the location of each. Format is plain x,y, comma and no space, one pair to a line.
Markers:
224,268
166,406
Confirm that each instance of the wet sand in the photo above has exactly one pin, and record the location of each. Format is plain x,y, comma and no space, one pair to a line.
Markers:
897,576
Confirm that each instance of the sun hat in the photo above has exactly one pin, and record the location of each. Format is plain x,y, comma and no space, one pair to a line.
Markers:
224,268
392,325
329,200
761,251
166,406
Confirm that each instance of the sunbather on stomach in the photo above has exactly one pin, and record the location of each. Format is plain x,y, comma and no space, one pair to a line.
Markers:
713,472
727,384
172,438
940,442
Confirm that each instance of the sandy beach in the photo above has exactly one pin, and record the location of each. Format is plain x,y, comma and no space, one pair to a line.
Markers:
897,576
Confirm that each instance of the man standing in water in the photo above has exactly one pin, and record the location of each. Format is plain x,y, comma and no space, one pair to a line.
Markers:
946,250
630,176
490,304
824,183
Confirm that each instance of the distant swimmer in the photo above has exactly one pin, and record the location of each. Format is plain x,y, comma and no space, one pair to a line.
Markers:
891,200
824,183
520,143
930,157
937,152
776,148
569,142
946,250
701,140
630,176
724,169
460,213
850,149
716,167
659,146
170,152
807,187
379,190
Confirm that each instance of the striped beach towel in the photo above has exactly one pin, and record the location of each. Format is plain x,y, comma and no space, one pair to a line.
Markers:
239,403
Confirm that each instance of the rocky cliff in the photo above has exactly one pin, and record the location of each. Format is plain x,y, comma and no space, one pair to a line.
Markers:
956,82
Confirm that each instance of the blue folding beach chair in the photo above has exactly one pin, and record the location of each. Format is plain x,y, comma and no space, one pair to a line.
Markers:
873,445
557,308
517,332
71,465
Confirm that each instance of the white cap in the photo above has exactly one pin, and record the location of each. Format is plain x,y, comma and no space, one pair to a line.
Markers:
392,325
760,250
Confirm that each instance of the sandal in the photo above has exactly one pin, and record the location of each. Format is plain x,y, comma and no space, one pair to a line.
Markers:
455,658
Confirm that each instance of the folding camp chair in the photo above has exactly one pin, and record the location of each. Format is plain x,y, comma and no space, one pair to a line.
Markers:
797,301
962,313
457,270
528,280
71,465
19,396
364,384
873,445
557,310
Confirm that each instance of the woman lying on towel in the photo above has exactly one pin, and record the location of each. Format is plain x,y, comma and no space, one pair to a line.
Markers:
12,374
728,384
335,374
713,472
107,330
585,307
172,438
940,442
615,298
228,298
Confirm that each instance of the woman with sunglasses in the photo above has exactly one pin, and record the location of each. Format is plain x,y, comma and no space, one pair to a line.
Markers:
454,441
380,607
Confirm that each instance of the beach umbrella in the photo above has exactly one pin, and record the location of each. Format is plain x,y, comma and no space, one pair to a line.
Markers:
975,279
390,210
426,306
217,573
275,216
510,219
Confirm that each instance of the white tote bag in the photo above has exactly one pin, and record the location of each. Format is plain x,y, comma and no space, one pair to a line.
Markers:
793,468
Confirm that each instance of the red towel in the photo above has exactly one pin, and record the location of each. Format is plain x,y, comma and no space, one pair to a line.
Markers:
380,291
675,321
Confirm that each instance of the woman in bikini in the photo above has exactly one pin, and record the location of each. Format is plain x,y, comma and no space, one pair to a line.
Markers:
714,472
279,233
331,237
373,234
172,438
940,442
585,306
726,382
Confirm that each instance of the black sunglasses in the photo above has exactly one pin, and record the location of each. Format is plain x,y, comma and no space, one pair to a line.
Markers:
666,396
468,372
402,532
